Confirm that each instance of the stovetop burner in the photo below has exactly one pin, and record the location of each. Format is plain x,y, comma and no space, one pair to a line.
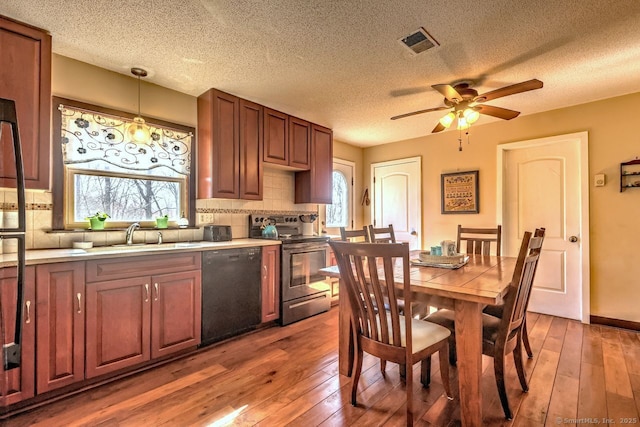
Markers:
289,228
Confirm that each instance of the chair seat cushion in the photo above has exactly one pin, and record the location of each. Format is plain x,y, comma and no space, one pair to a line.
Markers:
423,334
446,318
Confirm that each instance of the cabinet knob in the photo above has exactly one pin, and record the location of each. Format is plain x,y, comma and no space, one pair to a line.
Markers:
79,298
146,288
155,285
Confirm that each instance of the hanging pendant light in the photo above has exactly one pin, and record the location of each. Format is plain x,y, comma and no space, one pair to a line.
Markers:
138,131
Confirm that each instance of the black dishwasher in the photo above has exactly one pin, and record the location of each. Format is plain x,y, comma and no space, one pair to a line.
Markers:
230,292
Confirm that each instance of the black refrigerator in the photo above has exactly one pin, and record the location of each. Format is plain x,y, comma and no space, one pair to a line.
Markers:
12,238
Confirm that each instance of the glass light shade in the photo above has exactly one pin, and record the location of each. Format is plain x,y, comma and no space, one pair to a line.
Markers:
447,119
470,115
462,123
138,131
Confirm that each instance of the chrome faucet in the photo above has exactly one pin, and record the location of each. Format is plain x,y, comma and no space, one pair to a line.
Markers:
129,232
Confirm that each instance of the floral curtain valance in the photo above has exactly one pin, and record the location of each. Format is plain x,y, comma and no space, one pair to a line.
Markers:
89,137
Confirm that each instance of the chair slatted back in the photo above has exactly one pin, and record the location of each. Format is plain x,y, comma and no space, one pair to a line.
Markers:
367,271
382,234
354,235
517,299
479,240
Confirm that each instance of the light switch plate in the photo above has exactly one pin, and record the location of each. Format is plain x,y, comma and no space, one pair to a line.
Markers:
599,180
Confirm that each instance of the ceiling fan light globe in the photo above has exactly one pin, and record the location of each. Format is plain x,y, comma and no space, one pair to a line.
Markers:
138,131
447,120
471,115
463,124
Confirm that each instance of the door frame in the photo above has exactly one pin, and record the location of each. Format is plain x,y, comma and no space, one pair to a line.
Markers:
583,153
416,159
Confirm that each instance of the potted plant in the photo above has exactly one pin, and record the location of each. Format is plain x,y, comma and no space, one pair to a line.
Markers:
162,221
97,220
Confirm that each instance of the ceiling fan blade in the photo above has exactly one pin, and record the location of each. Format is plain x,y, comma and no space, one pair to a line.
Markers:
449,92
428,110
438,128
499,112
510,90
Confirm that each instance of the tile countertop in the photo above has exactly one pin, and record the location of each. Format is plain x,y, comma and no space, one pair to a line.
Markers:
48,256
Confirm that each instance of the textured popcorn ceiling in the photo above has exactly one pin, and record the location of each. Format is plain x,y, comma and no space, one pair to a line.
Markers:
338,62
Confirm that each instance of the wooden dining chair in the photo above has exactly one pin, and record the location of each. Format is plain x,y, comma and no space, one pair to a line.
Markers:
478,240
382,234
354,235
498,310
503,336
367,271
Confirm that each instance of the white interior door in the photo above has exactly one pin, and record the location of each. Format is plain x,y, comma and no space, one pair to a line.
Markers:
397,198
544,186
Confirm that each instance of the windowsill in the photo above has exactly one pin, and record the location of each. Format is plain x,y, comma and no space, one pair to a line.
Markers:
84,230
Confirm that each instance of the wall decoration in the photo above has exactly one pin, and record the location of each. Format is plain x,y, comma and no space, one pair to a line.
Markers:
460,192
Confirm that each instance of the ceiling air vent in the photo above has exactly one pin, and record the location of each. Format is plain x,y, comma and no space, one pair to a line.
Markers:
419,41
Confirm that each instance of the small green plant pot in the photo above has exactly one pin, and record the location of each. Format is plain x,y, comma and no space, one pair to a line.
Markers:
162,222
96,224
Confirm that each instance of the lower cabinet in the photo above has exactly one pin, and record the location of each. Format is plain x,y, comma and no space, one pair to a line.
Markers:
17,384
270,283
131,321
60,324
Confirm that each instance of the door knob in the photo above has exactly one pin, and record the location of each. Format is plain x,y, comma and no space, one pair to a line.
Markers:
573,239
414,233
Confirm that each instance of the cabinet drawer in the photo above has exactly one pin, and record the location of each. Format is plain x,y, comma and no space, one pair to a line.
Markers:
120,268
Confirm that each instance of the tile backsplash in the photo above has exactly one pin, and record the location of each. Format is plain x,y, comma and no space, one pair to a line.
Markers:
278,197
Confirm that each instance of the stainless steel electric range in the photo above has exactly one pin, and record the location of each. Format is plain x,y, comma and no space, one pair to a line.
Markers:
304,291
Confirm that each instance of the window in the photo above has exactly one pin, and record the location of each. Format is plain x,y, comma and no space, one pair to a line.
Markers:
101,170
340,212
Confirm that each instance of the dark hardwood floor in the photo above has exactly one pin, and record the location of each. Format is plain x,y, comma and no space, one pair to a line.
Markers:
289,376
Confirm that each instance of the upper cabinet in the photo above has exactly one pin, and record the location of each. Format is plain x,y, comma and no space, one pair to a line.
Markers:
25,77
299,143
229,147
236,138
316,184
286,140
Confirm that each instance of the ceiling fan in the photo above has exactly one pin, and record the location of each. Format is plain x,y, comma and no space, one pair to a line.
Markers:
468,105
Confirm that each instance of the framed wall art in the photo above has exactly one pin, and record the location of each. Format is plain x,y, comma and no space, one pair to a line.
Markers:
460,192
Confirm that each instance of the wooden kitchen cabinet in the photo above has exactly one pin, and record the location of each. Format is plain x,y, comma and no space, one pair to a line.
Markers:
218,145
270,283
251,145
132,319
18,384
276,137
60,311
299,143
25,77
316,184
287,140
229,147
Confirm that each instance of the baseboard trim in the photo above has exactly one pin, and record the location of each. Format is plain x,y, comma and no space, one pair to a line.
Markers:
616,323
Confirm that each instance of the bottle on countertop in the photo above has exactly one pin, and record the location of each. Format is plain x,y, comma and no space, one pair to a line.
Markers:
183,222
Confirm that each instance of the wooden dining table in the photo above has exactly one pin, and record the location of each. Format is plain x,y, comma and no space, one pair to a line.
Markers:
467,290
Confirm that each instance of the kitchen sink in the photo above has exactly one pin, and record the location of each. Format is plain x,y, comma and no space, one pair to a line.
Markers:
143,247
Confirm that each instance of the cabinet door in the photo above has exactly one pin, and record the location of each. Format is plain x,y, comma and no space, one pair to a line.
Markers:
270,283
316,185
299,143
25,77
276,137
250,150
61,316
218,145
176,312
18,384
118,324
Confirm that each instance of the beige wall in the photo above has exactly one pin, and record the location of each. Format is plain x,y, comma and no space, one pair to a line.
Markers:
615,287
87,83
